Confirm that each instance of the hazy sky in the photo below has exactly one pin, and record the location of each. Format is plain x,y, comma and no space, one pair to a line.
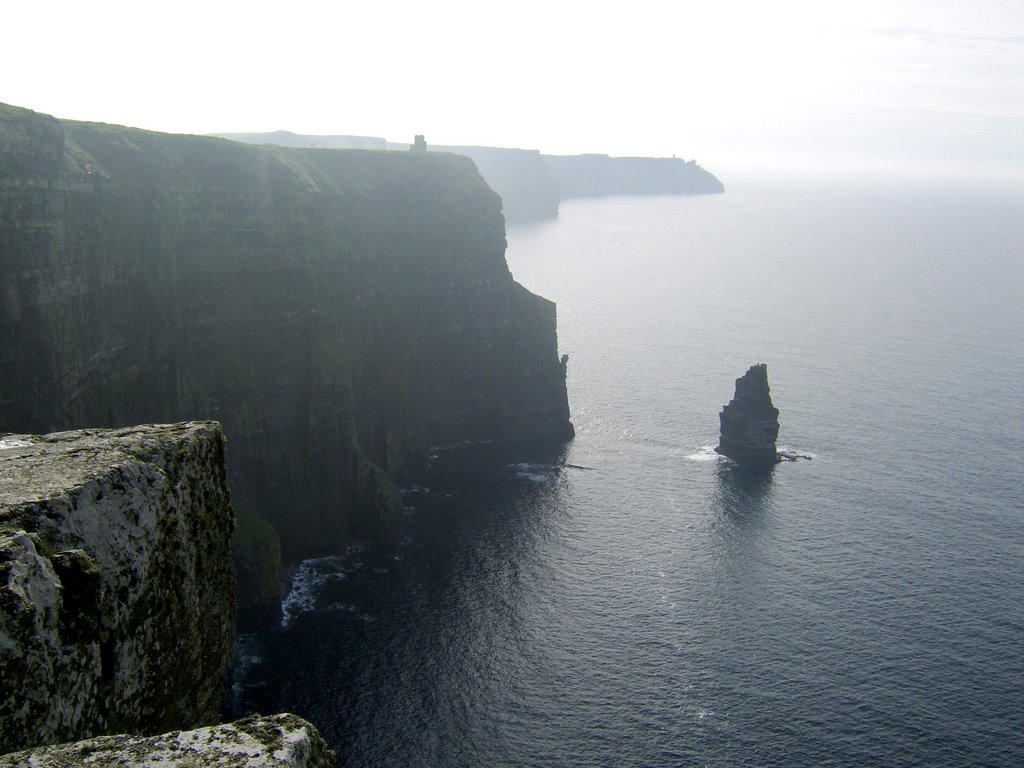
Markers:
933,84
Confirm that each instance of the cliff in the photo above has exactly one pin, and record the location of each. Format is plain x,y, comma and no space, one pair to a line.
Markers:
116,590
749,423
601,175
530,184
338,311
519,176
278,741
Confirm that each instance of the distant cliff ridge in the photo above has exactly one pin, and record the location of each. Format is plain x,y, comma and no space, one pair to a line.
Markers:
338,311
530,184
308,141
601,175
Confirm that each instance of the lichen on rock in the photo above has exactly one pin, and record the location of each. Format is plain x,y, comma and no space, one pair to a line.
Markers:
277,741
116,590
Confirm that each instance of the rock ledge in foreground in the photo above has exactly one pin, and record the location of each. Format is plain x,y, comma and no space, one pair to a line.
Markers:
278,741
116,592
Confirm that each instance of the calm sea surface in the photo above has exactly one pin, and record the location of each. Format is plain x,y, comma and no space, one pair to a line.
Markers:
635,601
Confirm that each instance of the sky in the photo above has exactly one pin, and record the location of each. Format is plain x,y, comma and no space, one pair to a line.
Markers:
929,86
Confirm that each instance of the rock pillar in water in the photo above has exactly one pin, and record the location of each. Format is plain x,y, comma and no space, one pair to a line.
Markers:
750,423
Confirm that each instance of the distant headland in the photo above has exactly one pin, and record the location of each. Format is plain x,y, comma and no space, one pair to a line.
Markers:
532,185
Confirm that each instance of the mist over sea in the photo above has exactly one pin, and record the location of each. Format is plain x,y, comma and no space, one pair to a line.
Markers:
637,601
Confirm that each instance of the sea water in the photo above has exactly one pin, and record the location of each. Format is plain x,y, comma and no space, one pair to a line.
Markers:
635,599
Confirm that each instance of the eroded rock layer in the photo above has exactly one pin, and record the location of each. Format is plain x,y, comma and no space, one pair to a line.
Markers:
116,589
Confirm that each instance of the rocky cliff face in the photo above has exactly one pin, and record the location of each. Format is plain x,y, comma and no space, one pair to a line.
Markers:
338,311
277,741
116,591
600,175
750,423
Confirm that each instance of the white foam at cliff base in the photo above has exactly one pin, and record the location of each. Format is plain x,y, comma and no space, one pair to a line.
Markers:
792,454
538,473
704,453
11,443
310,576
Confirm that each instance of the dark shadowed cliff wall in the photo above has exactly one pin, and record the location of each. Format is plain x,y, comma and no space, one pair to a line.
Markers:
337,311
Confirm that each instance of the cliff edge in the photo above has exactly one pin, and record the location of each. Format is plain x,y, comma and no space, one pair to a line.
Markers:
116,590
519,176
277,741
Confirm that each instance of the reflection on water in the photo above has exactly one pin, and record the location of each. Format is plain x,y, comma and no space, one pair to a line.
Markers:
741,501
664,608
743,492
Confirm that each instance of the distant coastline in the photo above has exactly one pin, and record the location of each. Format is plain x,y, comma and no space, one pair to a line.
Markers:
532,185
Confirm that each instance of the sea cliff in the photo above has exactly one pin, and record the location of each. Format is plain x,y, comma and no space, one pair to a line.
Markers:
338,311
601,175
116,590
532,185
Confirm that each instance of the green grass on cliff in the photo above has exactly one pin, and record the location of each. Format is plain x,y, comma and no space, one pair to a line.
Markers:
251,530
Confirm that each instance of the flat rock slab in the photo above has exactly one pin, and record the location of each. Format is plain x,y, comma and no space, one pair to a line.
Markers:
253,742
37,467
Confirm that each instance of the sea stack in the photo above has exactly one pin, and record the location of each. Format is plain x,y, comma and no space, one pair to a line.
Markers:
750,423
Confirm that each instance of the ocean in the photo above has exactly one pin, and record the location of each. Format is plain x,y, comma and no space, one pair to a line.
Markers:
636,600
